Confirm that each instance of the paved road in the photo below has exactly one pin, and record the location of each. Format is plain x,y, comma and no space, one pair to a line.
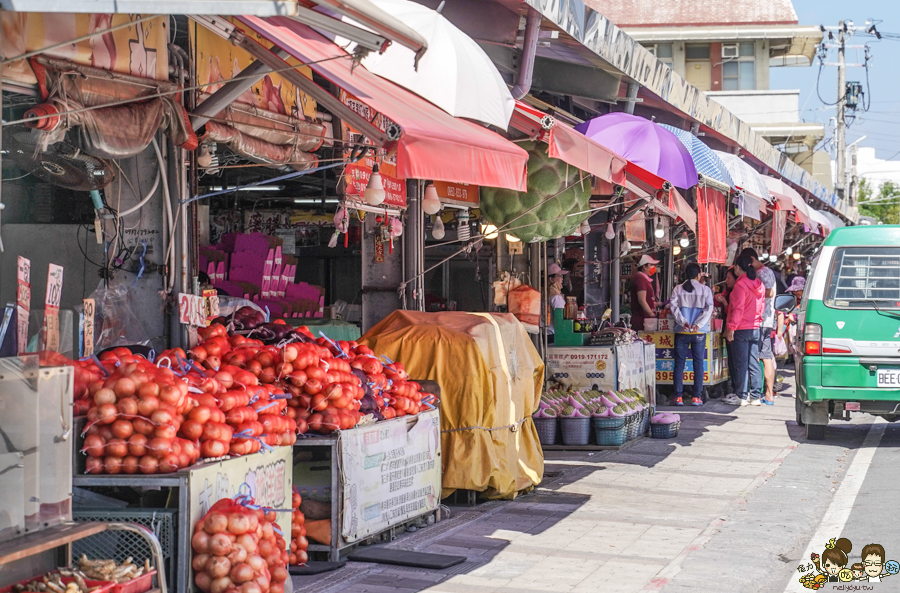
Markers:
736,503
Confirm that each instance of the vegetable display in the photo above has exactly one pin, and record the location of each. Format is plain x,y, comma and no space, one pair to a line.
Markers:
108,570
239,548
299,544
590,403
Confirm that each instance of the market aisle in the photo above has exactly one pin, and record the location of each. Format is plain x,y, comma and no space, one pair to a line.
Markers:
620,521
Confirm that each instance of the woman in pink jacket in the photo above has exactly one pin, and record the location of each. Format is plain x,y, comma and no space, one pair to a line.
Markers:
745,312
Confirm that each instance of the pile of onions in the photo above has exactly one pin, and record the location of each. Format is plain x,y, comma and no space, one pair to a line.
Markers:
237,549
299,544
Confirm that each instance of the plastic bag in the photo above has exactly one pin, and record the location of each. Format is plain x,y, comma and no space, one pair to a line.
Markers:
525,304
779,347
115,323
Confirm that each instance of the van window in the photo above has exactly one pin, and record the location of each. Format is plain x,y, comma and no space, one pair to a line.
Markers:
863,277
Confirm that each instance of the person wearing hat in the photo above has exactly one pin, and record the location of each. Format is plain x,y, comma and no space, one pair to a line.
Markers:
557,300
643,293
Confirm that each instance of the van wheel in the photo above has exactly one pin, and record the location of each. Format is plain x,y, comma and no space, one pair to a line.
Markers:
815,432
799,419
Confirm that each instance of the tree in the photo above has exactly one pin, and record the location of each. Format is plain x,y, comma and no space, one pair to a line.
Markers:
884,206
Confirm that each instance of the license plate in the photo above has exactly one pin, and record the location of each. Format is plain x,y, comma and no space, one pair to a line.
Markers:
889,378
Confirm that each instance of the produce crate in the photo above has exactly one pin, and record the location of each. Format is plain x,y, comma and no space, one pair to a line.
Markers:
102,586
119,545
665,431
575,431
546,429
142,584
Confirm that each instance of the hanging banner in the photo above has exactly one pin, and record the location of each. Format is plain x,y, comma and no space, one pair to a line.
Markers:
139,50
779,221
23,302
51,307
356,175
391,473
712,226
219,60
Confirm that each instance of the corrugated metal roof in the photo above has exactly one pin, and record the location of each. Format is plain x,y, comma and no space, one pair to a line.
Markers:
673,13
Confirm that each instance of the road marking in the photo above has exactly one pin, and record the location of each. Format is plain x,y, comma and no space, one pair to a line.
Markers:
838,512
664,576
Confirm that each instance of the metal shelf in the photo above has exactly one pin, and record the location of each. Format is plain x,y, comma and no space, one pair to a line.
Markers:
46,539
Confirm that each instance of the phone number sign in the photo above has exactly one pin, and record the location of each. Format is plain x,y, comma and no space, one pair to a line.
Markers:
582,368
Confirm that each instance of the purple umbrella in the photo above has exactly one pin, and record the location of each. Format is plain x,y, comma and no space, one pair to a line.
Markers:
645,144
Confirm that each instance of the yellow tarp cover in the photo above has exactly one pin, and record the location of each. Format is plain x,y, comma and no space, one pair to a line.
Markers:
491,377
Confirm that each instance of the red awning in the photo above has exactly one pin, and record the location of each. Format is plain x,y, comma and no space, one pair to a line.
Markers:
712,226
568,145
787,198
433,145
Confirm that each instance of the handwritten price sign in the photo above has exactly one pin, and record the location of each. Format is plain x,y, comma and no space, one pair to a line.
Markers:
192,310
23,302
51,307
89,308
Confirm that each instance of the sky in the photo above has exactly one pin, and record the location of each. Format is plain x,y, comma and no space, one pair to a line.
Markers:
881,124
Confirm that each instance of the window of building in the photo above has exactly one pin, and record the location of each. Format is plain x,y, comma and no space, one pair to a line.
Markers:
698,66
663,52
739,74
696,51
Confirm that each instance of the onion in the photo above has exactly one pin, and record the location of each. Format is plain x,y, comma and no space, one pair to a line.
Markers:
149,464
93,445
200,542
191,429
122,429
215,522
276,587
257,563
279,574
106,414
170,395
218,566
221,585
169,463
116,448
241,573
238,554
143,426
238,523
165,431
149,389
200,560
127,406
201,414
148,405
220,544
248,542
251,587
112,465
105,396
265,546
125,387
160,417
137,445
131,465
213,448
93,465
203,581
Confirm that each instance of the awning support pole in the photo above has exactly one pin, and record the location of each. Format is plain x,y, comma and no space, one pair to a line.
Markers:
631,94
413,245
529,49
226,95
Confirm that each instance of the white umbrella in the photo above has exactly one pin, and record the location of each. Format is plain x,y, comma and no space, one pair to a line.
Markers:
454,73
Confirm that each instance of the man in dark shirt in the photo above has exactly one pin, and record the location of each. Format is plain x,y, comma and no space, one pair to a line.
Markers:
643,293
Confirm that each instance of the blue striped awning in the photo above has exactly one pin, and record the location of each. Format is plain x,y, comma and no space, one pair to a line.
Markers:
707,162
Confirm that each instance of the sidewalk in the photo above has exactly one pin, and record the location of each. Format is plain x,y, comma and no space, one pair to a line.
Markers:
611,521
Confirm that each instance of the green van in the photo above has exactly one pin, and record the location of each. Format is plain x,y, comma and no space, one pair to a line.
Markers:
848,332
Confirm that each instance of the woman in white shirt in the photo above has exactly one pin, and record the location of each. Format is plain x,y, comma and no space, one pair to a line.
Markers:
692,306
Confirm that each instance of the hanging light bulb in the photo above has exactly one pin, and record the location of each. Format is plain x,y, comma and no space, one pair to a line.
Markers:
610,233
437,230
684,241
512,238
626,246
585,228
773,258
374,193
789,251
431,203
659,232
765,255
489,231
463,231
676,250
797,255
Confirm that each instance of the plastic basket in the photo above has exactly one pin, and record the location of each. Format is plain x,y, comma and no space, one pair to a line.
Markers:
142,584
610,432
575,431
665,431
119,545
632,424
547,429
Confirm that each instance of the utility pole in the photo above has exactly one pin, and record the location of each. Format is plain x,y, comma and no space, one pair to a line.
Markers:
841,131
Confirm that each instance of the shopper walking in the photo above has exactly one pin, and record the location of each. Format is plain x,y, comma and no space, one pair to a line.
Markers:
692,306
745,311
767,328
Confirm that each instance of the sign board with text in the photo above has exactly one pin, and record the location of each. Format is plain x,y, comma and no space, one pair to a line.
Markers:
196,310
51,307
23,302
391,473
583,368
715,359
88,327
